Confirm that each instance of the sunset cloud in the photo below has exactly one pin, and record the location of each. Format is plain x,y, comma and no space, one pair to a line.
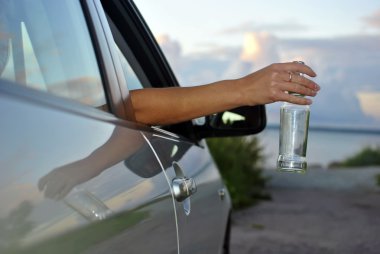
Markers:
172,49
370,104
259,49
373,20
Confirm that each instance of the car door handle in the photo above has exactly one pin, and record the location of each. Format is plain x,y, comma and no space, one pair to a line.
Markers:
183,188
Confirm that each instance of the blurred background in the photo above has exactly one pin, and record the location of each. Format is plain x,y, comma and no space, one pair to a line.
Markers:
206,41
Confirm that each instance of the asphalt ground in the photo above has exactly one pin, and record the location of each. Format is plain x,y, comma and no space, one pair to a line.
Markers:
321,211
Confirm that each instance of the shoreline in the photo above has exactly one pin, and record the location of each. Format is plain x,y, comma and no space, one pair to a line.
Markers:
330,179
339,129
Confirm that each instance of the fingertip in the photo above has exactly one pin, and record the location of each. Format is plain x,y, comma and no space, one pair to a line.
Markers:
41,185
312,72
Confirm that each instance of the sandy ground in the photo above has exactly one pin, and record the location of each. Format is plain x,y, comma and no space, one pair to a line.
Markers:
313,213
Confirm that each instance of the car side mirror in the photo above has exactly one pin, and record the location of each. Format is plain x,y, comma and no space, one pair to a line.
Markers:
240,121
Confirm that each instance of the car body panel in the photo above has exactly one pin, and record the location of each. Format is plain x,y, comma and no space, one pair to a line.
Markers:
208,209
53,144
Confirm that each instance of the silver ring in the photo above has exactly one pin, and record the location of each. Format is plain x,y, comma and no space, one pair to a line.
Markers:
290,77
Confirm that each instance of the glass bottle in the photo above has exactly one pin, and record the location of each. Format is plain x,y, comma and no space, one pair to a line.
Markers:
294,126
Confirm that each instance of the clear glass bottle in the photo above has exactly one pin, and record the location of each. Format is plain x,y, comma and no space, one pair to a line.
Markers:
294,126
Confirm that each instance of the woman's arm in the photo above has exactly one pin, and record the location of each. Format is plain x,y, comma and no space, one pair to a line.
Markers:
160,106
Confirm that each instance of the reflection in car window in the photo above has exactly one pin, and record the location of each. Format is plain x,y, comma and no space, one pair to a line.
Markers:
133,72
133,82
45,45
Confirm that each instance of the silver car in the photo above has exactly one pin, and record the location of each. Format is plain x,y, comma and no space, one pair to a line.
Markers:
74,176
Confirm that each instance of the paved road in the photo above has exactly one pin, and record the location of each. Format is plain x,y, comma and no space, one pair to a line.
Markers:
315,218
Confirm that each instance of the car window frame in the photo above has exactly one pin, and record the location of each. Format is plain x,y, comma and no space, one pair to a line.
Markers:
125,50
108,61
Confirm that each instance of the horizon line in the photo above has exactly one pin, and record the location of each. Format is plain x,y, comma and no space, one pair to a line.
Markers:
342,128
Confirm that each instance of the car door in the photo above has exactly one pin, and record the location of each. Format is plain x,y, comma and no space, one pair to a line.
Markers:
202,202
73,177
204,210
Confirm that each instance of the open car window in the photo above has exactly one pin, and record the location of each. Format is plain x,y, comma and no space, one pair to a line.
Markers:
133,72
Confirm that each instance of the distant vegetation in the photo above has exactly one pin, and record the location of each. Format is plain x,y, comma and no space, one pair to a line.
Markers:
369,156
239,161
378,180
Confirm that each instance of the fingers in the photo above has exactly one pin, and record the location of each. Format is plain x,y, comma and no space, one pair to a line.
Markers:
298,79
58,190
292,81
42,183
54,185
297,68
64,192
297,88
294,99
54,189
273,83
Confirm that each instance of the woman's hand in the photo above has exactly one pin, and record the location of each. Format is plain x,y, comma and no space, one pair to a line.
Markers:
59,182
272,83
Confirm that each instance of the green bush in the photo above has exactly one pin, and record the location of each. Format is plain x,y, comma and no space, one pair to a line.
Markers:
369,156
239,162
378,179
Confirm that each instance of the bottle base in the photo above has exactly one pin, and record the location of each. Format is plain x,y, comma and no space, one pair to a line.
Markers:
291,166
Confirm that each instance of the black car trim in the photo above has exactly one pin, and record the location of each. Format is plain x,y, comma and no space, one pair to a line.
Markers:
106,61
129,55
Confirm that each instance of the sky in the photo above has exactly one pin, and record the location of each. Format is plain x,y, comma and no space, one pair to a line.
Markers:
209,40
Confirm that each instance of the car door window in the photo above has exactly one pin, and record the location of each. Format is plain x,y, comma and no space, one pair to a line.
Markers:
46,45
133,72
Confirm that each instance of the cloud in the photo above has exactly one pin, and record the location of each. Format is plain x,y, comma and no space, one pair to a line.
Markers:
251,26
373,20
370,104
216,62
168,45
259,49
172,49
205,66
